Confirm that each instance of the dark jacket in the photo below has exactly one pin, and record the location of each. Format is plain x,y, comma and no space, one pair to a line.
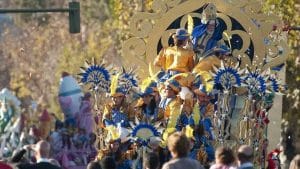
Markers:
41,165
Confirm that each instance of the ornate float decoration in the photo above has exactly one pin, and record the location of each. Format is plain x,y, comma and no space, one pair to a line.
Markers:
249,30
248,87
143,132
96,76
128,80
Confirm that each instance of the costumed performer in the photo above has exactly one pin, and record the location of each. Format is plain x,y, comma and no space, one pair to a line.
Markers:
176,59
114,140
146,109
170,105
186,116
117,111
213,60
204,127
206,108
207,35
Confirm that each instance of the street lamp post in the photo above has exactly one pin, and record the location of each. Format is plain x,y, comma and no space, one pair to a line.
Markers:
73,10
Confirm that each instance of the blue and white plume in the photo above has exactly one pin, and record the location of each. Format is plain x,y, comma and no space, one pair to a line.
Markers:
96,76
228,77
255,82
128,80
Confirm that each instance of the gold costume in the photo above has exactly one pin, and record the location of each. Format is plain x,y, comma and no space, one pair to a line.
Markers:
207,64
175,59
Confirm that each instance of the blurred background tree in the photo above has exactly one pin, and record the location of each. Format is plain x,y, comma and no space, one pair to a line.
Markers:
37,47
289,11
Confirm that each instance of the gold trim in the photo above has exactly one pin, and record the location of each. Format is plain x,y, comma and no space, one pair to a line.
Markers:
149,28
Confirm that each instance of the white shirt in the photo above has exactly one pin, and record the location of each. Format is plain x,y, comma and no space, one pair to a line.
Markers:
247,164
43,160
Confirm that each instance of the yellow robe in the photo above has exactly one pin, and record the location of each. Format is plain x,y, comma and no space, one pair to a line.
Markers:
175,59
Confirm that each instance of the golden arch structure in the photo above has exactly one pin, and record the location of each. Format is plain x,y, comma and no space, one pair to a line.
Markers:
253,39
247,28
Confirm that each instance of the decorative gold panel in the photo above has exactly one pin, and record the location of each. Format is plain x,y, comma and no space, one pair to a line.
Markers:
150,31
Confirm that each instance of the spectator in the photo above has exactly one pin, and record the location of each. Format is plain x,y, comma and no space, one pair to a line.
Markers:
108,163
295,163
274,160
179,145
245,157
151,161
94,165
54,162
18,157
225,159
5,166
42,150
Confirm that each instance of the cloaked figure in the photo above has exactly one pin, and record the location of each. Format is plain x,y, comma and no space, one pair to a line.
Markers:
207,35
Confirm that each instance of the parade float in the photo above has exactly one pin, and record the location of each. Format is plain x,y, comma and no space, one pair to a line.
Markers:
218,87
239,52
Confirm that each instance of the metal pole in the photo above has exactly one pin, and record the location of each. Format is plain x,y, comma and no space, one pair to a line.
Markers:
73,10
295,28
36,10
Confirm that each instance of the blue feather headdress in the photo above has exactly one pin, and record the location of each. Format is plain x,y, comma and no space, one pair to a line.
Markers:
96,76
143,132
274,84
227,77
255,82
127,80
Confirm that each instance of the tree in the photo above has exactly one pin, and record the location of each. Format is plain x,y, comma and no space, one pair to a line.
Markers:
289,11
38,47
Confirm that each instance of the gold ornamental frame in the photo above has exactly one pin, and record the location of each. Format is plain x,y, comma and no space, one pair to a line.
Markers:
149,29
